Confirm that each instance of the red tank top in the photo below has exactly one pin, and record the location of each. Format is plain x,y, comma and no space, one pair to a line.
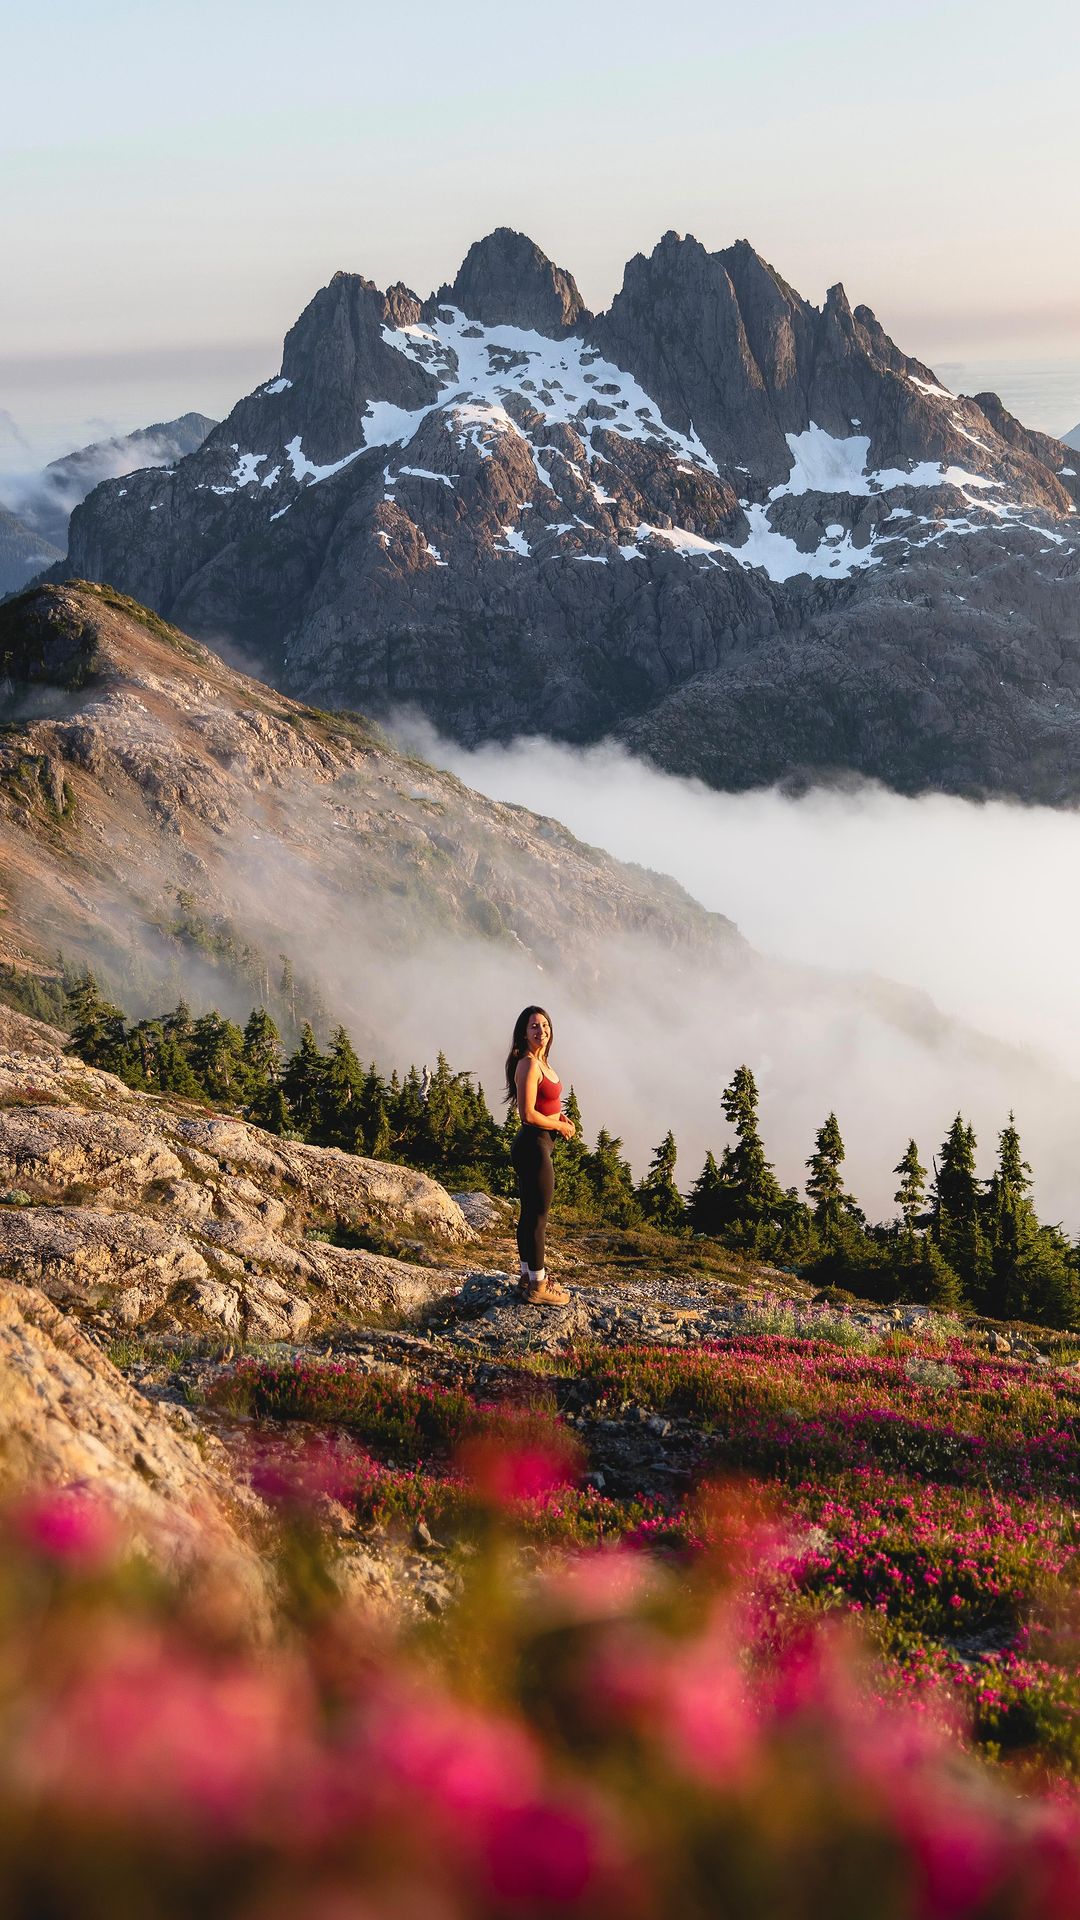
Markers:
548,1098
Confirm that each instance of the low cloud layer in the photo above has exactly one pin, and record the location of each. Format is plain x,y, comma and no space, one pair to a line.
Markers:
956,924
902,960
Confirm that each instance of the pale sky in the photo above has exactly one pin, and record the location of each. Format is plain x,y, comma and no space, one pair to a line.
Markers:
180,180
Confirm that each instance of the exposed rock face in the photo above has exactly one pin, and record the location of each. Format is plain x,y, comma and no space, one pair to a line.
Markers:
138,1212
67,1418
494,507
505,281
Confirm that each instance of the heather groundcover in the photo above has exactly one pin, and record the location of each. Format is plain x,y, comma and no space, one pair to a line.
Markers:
827,1669
925,1489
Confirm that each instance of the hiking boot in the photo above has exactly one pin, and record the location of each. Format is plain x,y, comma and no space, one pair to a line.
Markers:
542,1293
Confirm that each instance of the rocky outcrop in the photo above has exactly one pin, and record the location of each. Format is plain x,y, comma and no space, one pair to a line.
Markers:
134,1212
494,507
68,1420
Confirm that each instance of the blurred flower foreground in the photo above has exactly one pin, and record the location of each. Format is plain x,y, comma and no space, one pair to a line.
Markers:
608,1730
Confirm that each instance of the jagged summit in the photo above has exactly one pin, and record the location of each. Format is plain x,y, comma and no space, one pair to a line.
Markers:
510,513
505,280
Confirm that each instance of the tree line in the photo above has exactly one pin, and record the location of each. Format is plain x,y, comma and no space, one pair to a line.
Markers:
957,1240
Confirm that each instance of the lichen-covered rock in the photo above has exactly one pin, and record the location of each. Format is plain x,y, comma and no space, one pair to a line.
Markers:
139,1212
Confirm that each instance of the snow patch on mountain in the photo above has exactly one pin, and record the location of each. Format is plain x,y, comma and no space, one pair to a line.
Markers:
567,382
781,559
824,464
305,469
931,387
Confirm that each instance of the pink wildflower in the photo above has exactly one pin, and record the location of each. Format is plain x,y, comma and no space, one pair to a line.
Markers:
541,1853
505,1469
67,1525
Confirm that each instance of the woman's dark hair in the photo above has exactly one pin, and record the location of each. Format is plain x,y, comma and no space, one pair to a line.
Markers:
519,1046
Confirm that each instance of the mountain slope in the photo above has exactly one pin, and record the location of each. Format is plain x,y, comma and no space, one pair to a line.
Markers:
46,502
23,552
187,830
154,771
513,514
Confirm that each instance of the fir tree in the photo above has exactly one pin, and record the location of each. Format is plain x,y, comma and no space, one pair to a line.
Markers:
262,1049
375,1127
750,1195
1030,1271
216,1055
174,1068
571,1177
407,1117
705,1204
302,1082
657,1195
956,1224
178,1023
287,989
910,1195
341,1117
269,1108
612,1182
98,1032
825,1182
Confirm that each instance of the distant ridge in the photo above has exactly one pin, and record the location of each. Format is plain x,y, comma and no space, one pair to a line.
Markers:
46,503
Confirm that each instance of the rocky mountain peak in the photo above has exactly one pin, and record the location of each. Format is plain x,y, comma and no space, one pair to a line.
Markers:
713,462
403,306
505,280
838,308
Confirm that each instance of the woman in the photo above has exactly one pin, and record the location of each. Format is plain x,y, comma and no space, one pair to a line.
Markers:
538,1092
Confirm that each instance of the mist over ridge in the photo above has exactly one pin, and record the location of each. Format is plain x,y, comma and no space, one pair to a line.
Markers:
189,830
967,904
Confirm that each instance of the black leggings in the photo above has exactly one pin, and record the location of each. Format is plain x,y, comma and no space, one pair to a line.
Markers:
531,1155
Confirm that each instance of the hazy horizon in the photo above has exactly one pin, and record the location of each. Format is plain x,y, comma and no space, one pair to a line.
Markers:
190,188
51,405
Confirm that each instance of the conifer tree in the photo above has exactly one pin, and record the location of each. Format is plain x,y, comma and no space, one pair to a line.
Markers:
407,1117
269,1108
704,1206
215,1054
657,1195
442,1114
1029,1270
174,1068
98,1030
612,1182
375,1125
262,1049
572,1180
825,1182
910,1195
750,1195
956,1223
178,1023
342,1096
302,1083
